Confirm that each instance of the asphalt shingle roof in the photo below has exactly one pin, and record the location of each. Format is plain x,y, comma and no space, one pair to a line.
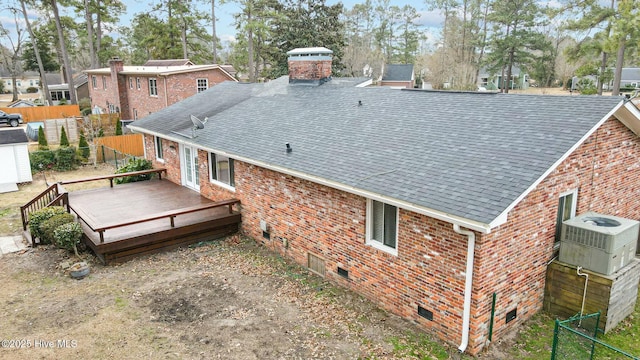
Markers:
13,136
398,72
469,155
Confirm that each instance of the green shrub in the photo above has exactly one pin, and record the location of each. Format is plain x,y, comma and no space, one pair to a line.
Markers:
64,141
49,226
38,217
41,160
84,104
32,90
134,164
42,140
65,159
83,146
100,133
62,101
67,236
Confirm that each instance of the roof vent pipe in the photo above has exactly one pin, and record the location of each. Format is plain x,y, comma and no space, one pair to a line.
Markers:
289,149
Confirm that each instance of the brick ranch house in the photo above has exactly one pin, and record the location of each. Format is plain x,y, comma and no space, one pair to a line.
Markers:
137,91
425,202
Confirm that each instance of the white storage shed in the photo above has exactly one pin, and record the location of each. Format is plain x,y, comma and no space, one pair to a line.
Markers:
15,166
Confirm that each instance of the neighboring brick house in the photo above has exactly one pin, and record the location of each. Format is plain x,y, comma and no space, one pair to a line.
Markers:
398,76
137,91
425,202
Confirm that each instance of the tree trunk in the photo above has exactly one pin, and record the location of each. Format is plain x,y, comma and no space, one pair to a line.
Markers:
89,20
213,32
619,63
252,75
184,40
98,31
43,78
65,54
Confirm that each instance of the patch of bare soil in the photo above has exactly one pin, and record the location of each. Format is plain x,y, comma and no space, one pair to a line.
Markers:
228,299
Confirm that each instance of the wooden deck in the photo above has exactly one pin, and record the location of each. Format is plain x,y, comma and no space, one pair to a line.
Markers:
128,220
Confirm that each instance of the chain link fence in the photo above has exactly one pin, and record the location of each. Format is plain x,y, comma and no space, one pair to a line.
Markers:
576,339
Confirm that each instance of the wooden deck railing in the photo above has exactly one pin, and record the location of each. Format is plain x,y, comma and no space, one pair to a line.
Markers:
56,195
115,176
171,215
44,199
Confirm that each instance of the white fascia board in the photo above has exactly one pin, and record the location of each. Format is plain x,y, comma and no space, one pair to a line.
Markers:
502,218
450,218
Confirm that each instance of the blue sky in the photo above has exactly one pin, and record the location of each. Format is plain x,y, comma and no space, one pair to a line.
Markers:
226,29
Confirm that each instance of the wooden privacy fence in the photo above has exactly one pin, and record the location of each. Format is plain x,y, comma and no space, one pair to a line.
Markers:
130,144
40,113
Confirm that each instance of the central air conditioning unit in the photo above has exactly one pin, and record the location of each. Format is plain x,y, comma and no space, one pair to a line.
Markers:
600,243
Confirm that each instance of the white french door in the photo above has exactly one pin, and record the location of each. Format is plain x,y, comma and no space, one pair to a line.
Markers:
189,168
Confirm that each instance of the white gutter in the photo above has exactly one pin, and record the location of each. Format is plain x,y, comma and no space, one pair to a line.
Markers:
450,218
466,312
166,95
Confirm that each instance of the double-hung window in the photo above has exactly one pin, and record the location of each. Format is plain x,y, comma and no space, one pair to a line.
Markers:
138,83
202,84
94,81
158,146
221,169
566,211
104,82
382,226
153,87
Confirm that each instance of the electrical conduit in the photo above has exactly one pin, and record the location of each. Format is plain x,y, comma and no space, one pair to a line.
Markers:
466,312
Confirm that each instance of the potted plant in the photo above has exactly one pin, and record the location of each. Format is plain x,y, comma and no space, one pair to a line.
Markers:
67,236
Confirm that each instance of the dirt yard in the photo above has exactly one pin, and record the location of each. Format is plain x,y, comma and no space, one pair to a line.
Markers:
224,299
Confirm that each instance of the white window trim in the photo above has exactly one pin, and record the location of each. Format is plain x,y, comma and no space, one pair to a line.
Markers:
138,83
216,182
155,147
155,80
368,232
206,85
574,203
130,82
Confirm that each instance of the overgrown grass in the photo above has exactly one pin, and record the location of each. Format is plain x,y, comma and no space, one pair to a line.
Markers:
535,340
418,346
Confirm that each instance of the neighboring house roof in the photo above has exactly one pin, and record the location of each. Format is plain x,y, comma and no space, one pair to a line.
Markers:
53,78
21,103
158,70
398,72
630,74
484,72
13,136
460,155
168,62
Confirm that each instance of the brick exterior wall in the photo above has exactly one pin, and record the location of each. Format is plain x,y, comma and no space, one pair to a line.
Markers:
309,69
130,99
429,270
405,84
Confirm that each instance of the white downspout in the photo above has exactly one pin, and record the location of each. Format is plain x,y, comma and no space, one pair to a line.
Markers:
466,312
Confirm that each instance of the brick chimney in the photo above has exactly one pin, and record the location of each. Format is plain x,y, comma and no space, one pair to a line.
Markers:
309,66
119,95
116,65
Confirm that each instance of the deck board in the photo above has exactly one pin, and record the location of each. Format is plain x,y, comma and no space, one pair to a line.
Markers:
126,202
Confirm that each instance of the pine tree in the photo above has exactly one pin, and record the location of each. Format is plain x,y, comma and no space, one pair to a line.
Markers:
83,146
63,137
118,127
42,140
